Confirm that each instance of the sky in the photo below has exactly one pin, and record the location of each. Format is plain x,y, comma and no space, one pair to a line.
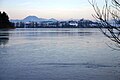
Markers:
58,9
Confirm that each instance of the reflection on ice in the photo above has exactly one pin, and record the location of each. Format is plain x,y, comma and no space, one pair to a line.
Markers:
50,33
4,37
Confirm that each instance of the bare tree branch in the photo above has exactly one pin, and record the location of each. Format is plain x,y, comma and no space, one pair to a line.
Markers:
105,15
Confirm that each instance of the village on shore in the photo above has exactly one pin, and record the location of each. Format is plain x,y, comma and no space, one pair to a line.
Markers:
35,22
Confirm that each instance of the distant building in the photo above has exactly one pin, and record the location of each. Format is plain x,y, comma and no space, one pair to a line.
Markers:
73,23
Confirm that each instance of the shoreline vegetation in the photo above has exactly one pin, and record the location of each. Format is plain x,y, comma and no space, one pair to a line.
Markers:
4,21
35,22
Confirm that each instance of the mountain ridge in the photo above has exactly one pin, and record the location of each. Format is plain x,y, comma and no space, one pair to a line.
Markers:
32,19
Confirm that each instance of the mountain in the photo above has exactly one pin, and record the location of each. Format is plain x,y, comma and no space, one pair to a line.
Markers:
15,20
33,19
52,19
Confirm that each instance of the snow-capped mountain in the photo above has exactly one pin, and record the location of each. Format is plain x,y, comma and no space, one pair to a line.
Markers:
33,19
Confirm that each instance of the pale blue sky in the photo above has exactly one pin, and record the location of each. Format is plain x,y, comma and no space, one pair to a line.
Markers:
59,9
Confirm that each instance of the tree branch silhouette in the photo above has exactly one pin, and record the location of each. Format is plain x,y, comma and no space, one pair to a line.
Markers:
104,15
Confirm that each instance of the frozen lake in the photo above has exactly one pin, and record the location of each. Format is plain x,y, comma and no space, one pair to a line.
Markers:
57,54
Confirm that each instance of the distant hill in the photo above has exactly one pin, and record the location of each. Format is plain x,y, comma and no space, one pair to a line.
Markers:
33,19
52,19
15,20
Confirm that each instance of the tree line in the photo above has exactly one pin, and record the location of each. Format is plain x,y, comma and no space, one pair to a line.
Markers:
4,21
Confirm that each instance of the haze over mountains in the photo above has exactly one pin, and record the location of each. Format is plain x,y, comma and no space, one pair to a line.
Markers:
33,19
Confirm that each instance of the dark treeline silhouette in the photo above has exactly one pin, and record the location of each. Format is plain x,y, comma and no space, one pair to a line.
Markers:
4,21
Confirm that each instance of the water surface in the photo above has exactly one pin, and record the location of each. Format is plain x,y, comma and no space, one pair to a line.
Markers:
57,54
